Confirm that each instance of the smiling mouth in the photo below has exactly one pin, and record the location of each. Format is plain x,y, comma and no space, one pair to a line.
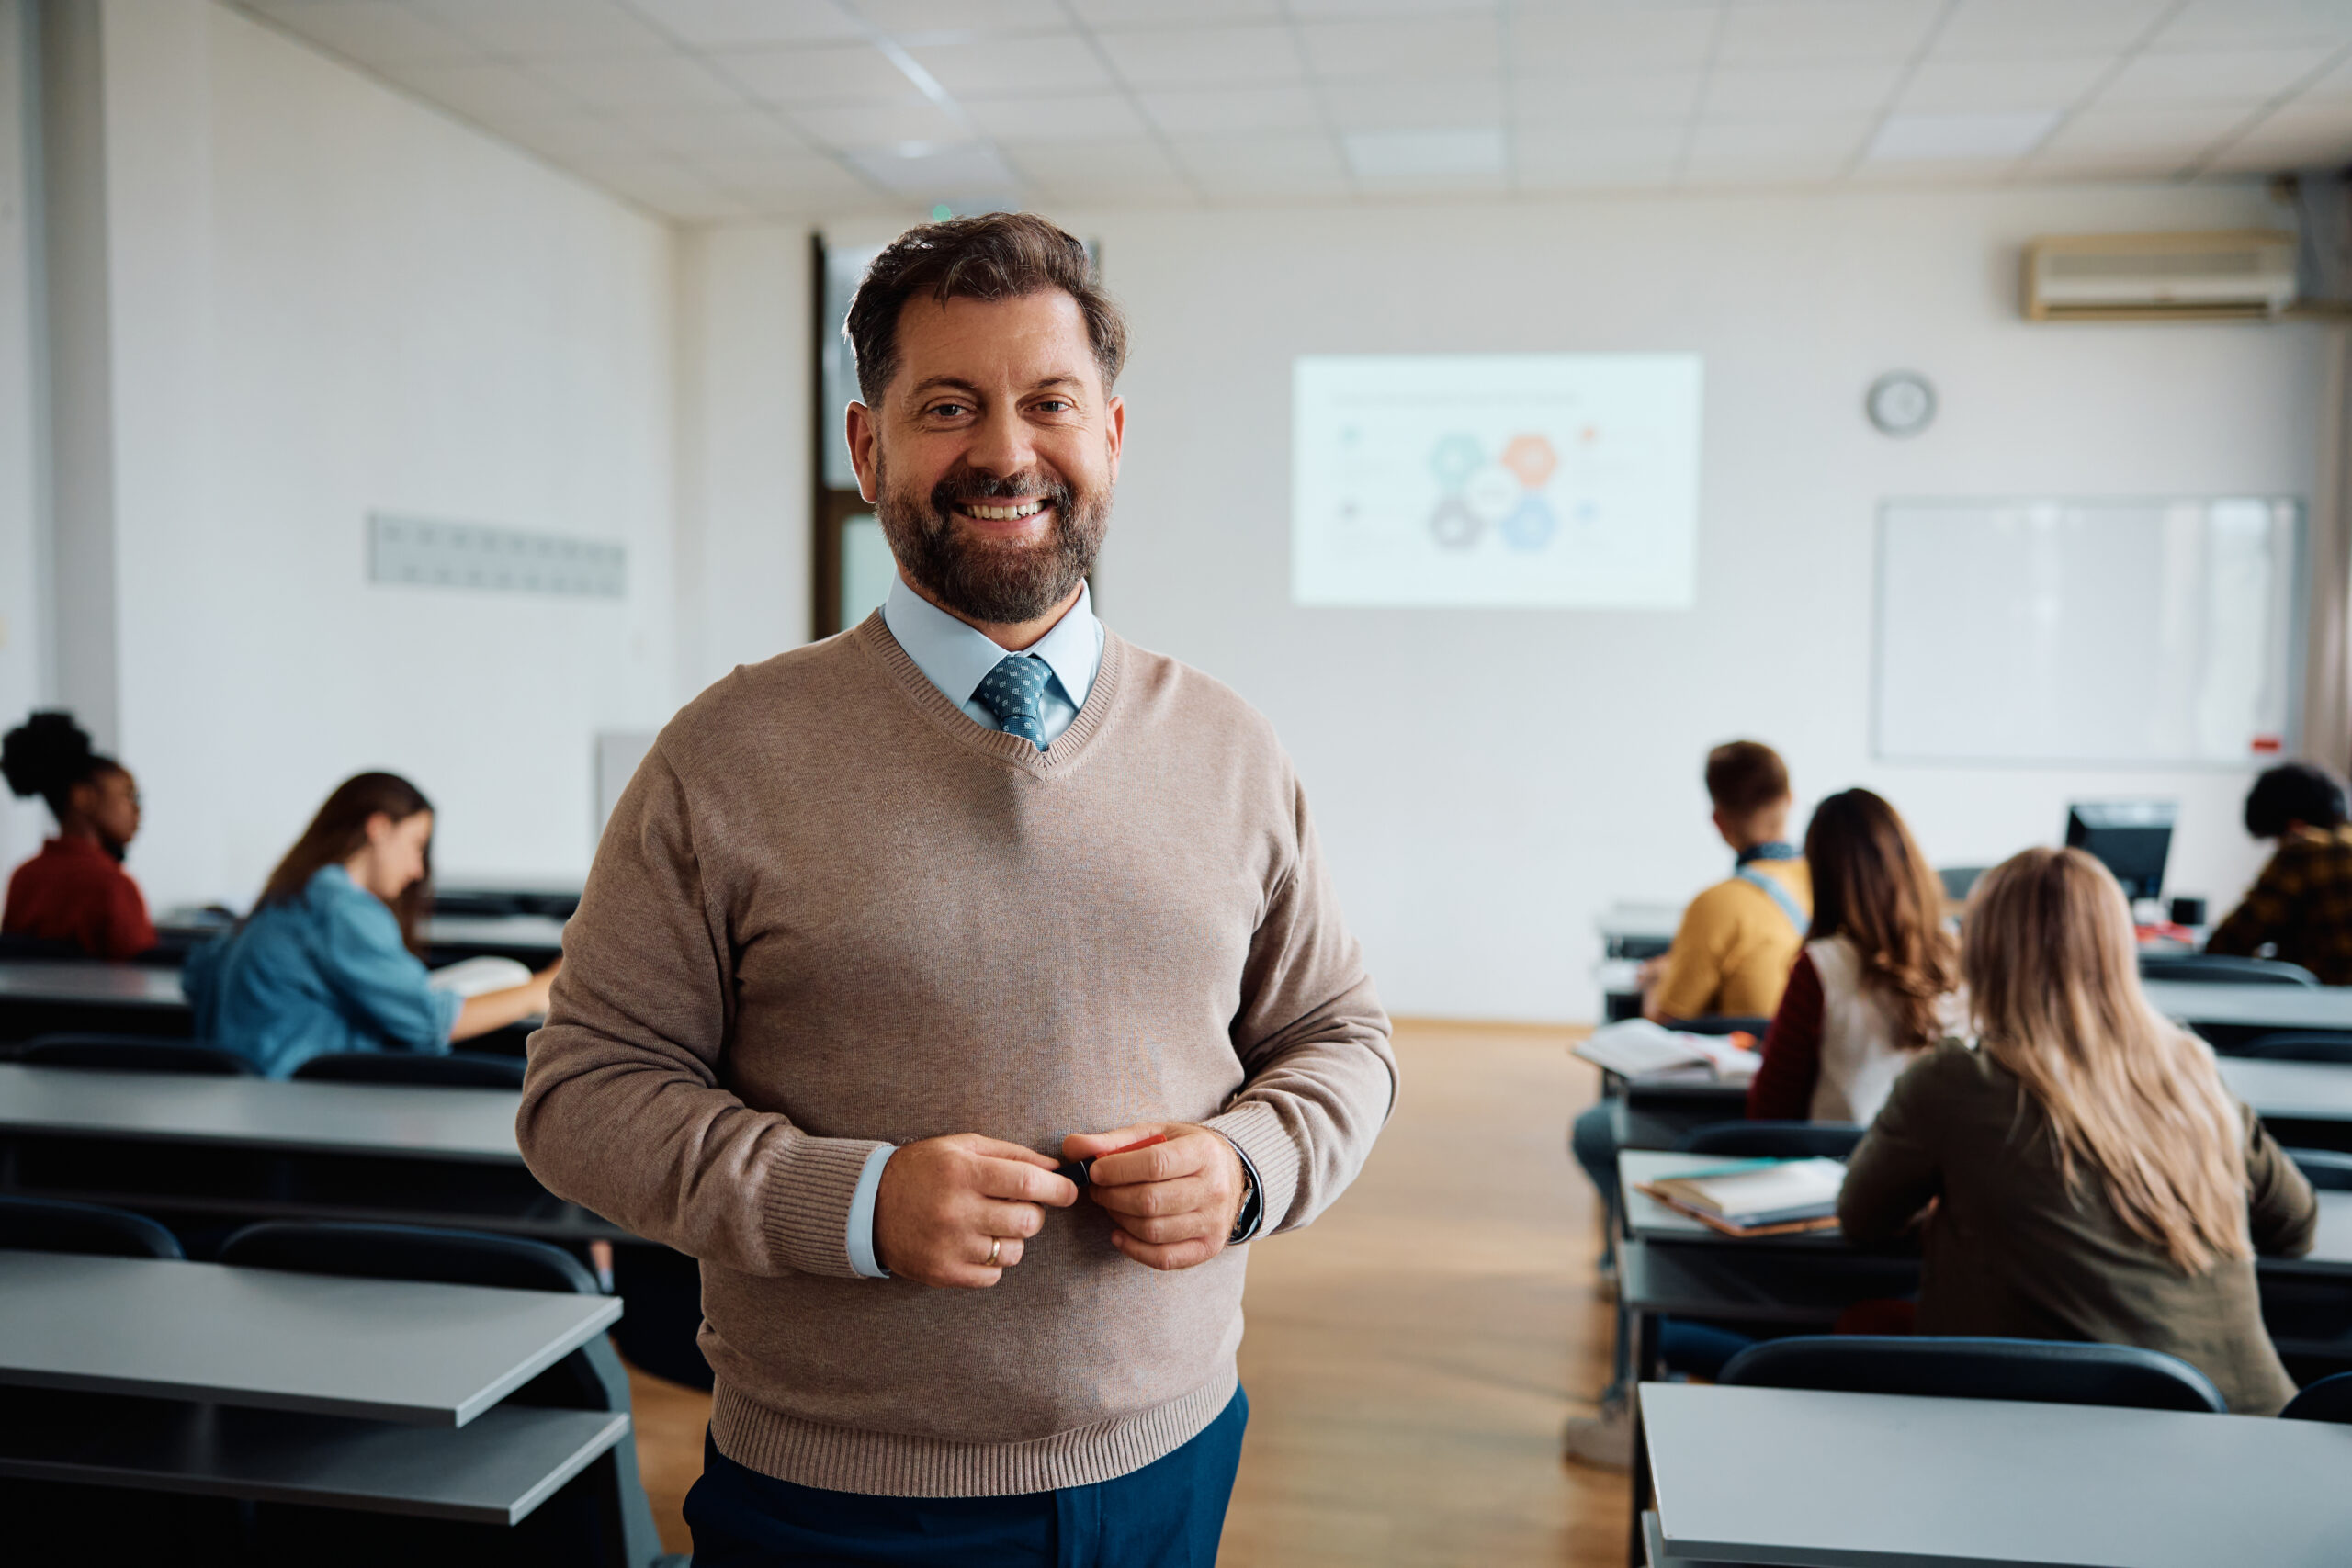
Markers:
1012,512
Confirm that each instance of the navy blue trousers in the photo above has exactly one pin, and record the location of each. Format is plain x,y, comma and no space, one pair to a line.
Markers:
1166,1515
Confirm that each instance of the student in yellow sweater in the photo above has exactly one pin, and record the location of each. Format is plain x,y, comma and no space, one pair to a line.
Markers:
1738,940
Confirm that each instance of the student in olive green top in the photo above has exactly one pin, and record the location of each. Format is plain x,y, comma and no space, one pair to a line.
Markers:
2091,1176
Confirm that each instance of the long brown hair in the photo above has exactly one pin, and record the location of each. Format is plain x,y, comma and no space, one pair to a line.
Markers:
2054,980
340,832
1872,887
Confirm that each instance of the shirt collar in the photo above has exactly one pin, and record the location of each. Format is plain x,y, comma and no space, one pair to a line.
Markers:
956,657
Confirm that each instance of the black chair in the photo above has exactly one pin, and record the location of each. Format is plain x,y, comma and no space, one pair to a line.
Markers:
2329,1399
134,1053
601,1520
2040,1370
2218,969
459,1069
2298,1045
52,1225
2323,1168
1773,1140
14,946
1723,1023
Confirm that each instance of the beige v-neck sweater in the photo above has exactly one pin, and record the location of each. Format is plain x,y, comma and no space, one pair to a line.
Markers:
831,911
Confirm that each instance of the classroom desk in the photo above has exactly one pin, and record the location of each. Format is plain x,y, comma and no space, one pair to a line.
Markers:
2256,1006
535,940
2291,1091
1812,1480
1650,1114
420,1354
46,996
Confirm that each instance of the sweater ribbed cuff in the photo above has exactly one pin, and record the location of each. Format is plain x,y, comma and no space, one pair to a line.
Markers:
809,1195
1256,1129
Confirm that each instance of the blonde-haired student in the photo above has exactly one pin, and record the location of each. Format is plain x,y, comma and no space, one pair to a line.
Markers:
2092,1176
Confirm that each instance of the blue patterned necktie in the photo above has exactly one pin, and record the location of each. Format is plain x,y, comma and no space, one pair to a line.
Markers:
1012,691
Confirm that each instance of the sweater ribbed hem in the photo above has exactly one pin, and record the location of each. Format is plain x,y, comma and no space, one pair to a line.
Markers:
810,1192
1256,1129
883,1464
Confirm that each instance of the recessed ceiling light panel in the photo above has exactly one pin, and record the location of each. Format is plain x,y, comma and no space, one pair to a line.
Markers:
1928,138
1391,154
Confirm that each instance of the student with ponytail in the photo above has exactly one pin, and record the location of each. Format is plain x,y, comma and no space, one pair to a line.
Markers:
75,892
2091,1176
328,961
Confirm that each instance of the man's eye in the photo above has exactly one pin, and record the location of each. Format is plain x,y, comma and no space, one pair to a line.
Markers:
948,410
1054,405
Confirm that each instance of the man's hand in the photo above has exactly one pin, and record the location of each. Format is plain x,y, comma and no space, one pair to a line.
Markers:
945,1203
1174,1202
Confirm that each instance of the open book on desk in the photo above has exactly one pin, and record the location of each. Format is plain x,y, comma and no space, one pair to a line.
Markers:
1637,1048
1756,1197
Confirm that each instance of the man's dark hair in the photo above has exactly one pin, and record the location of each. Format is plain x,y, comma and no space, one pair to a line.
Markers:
997,255
1745,776
2294,792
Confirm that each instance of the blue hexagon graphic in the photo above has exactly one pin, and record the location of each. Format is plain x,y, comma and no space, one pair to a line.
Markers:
1529,526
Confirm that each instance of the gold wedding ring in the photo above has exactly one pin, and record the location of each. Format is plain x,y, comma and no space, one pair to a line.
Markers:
996,1244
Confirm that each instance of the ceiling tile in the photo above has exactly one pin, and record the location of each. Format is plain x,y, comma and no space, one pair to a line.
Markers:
718,131
1178,57
2024,29
1749,170
880,124
1924,141
546,29
1604,41
2297,137
1074,117
723,24
671,81
1769,140
1635,98
1212,110
1941,172
2154,142
919,16
1352,9
569,137
1433,46
1811,91
1108,158
1396,106
805,181
1042,64
2336,85
1155,13
2205,24
376,33
487,92
1594,173
1986,87
1231,165
1601,143
1823,32
2157,81
951,172
844,73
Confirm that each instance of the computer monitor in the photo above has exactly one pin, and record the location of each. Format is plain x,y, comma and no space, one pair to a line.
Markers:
2131,838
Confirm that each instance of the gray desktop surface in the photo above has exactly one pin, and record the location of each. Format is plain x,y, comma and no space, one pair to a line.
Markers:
379,1349
65,980
2305,1091
400,1120
497,931
1810,1480
494,1472
2262,1007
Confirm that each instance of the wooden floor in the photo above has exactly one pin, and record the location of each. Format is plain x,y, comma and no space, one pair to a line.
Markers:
1410,1357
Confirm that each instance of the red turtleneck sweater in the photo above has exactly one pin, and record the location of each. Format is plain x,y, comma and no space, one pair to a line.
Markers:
74,891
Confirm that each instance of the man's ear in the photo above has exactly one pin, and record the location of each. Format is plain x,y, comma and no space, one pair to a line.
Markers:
1115,426
863,429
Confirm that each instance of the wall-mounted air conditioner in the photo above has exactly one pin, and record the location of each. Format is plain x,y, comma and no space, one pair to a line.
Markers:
2245,274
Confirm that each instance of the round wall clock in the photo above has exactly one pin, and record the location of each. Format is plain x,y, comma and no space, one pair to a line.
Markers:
1901,402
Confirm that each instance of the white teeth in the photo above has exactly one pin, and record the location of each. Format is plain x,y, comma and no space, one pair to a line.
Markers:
1007,513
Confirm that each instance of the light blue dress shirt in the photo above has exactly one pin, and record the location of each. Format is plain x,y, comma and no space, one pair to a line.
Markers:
325,972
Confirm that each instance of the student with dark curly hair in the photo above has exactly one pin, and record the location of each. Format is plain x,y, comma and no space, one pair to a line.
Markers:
76,891
2300,906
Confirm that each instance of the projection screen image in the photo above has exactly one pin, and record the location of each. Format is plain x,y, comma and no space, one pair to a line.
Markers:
1562,479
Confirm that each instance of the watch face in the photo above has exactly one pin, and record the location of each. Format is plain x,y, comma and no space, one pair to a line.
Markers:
1902,402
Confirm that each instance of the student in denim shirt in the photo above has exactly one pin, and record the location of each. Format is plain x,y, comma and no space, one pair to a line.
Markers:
327,960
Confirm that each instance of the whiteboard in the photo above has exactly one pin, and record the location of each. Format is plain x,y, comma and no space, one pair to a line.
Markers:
1495,479
2142,633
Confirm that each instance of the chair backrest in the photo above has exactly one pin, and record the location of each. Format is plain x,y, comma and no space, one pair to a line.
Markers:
459,1069
2323,1168
2040,1371
52,1225
1773,1140
2330,1399
2297,1046
133,1053
1723,1023
17,946
2218,969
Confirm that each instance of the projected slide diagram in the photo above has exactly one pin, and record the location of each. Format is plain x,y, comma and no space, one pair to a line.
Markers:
1510,478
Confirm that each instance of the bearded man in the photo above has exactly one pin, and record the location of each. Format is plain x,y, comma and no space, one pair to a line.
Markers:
896,940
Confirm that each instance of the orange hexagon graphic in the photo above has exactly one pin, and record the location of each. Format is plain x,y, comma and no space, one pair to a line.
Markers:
1532,458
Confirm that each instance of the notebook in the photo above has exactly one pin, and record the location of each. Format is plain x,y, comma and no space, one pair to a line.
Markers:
1636,1048
1756,1197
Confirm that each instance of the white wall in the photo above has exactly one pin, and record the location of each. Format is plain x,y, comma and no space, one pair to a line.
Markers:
1487,781
23,567
327,299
